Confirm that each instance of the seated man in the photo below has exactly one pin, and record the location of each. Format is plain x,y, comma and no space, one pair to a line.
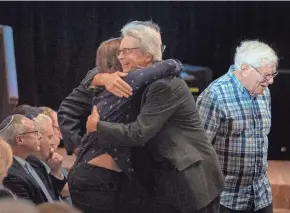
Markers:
50,159
28,180
53,116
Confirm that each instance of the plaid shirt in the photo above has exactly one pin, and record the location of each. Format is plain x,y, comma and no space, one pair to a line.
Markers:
237,124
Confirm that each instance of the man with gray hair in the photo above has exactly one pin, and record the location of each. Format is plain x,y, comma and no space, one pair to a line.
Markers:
182,169
27,177
236,113
76,107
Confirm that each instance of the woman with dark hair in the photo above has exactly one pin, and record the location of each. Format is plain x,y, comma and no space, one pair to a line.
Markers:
98,174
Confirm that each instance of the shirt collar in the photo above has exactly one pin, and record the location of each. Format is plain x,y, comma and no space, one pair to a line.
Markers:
20,160
236,81
46,166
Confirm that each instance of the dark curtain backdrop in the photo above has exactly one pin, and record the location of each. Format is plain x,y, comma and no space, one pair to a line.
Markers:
55,42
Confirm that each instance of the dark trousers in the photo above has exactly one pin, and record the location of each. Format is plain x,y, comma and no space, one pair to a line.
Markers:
95,189
267,209
213,207
99,190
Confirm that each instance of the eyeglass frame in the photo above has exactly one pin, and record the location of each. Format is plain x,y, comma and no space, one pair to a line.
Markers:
266,77
36,132
127,51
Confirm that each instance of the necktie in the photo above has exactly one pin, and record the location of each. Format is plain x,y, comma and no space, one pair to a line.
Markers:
39,182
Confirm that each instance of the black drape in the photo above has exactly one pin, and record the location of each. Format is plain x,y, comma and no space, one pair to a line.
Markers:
55,42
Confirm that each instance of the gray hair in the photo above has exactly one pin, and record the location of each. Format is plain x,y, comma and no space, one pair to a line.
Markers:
148,33
41,122
11,127
255,53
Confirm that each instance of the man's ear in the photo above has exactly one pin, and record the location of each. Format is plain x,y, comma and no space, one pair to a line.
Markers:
148,58
19,140
245,70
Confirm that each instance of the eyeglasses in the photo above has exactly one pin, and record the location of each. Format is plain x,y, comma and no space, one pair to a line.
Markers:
36,133
126,51
267,77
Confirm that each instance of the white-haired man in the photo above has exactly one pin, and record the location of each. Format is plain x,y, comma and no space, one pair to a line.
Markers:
27,177
236,113
177,158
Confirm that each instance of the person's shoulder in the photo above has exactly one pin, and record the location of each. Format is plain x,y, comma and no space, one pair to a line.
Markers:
90,74
170,85
166,83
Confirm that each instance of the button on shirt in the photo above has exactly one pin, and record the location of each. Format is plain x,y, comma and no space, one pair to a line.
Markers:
114,109
237,124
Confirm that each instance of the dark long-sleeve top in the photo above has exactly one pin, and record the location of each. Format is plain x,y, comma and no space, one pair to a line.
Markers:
114,109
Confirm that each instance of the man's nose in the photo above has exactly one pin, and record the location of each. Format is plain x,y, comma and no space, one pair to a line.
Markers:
121,55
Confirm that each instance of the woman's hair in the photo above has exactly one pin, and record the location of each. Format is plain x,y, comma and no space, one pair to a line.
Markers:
57,208
106,59
6,157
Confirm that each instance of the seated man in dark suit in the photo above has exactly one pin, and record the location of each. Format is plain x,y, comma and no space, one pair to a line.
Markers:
27,177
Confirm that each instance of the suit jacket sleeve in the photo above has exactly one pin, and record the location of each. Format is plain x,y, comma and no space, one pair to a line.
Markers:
160,104
18,187
73,113
58,184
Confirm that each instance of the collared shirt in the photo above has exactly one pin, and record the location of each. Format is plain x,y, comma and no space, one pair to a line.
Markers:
21,161
237,124
114,109
64,173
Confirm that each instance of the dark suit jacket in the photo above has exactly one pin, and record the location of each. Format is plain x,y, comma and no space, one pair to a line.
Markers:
170,129
73,113
24,186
